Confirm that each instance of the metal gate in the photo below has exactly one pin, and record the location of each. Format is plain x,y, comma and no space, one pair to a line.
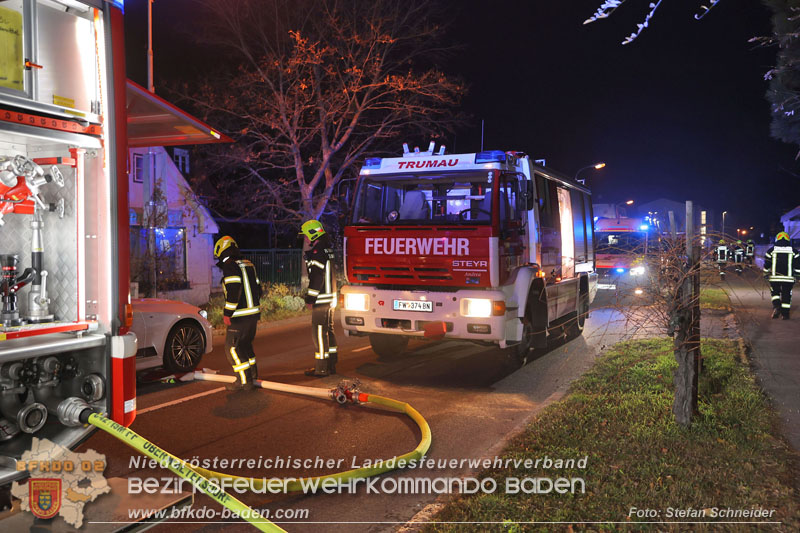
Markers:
277,265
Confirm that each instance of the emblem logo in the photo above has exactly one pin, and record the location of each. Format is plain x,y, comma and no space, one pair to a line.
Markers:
45,497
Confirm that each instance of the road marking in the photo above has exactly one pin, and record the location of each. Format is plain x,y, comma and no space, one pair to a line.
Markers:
180,400
362,349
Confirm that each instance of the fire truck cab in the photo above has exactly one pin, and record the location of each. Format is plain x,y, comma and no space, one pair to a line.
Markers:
487,247
622,247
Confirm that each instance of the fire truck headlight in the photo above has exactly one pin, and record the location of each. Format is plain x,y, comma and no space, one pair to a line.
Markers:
637,271
476,307
356,302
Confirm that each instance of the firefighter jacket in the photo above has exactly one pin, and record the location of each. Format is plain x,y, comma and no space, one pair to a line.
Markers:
722,253
241,286
321,279
750,249
782,263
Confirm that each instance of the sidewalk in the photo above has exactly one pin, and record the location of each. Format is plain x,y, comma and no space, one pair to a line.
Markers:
775,347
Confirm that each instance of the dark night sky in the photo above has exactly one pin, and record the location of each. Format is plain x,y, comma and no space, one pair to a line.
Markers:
679,113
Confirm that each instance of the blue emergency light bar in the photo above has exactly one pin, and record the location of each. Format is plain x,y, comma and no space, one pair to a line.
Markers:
620,270
373,162
644,227
492,156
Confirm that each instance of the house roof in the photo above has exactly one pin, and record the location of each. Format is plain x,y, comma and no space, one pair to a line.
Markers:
152,121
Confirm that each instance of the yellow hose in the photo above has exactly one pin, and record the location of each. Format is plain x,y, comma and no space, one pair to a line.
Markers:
387,465
182,469
200,477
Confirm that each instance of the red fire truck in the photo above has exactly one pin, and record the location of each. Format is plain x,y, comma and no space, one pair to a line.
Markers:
622,246
487,247
67,118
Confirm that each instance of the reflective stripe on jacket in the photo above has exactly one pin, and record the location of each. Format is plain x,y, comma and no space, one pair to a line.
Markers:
242,288
321,277
782,263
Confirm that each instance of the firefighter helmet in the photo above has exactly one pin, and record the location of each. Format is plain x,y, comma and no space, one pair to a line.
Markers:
222,244
738,242
722,241
749,240
782,236
312,229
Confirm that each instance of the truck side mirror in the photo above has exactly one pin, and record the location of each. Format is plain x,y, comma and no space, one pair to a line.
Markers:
528,195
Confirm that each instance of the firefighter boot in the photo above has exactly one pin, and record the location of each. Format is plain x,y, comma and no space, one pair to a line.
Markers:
253,372
236,385
776,312
320,369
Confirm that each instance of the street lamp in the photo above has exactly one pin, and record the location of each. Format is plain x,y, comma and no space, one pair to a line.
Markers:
723,224
616,206
596,166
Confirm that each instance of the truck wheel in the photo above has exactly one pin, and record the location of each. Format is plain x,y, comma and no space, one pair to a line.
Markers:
522,351
184,348
385,345
577,324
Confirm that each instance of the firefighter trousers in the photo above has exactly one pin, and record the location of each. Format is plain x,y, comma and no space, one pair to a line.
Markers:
325,347
239,348
781,296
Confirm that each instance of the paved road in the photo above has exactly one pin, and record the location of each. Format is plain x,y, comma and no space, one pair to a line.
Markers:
472,397
774,343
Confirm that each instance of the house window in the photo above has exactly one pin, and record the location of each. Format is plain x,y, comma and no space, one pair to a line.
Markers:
181,159
138,168
169,255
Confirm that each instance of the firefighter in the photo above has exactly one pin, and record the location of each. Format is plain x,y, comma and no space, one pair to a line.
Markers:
738,256
721,253
242,290
750,251
321,297
781,268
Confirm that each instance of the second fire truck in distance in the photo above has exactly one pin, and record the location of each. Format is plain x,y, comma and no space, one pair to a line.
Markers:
622,247
487,247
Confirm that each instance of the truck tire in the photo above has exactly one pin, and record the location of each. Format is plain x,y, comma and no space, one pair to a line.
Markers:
534,327
578,323
385,345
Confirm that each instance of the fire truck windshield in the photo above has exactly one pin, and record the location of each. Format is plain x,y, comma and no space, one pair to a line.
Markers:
621,242
430,199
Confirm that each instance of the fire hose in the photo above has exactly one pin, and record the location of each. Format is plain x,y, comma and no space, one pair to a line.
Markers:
201,478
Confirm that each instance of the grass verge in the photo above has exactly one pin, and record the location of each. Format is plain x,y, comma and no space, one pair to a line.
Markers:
619,415
714,298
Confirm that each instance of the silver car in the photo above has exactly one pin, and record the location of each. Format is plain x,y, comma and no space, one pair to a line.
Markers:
170,333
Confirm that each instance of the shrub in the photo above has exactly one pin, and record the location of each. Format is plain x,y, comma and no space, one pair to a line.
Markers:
278,301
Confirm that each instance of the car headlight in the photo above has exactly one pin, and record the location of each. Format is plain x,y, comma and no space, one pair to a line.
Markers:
356,302
637,271
476,307
203,313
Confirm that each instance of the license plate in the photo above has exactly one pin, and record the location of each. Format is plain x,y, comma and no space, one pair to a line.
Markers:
412,305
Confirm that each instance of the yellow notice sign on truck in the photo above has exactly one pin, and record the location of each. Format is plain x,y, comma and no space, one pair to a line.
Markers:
12,68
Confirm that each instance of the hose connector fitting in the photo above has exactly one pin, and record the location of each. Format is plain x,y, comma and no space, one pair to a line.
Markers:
70,410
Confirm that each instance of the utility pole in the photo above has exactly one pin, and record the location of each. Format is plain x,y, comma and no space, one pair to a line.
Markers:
686,330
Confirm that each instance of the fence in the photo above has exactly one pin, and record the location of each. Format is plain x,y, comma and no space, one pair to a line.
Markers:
277,265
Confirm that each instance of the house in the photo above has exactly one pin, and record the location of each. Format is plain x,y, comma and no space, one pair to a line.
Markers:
172,233
183,237
791,224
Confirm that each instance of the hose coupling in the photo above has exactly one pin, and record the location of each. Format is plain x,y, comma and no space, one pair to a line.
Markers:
346,391
71,409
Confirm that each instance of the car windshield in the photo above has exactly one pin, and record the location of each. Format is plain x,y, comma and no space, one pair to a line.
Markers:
452,198
620,242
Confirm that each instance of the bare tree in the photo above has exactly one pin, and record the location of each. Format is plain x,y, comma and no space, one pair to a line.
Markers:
321,84
609,6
